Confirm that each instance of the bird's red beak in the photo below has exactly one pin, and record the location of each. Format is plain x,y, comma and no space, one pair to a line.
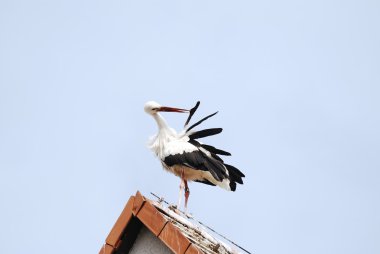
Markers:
169,109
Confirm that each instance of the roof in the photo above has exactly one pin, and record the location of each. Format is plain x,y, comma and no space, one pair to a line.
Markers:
180,234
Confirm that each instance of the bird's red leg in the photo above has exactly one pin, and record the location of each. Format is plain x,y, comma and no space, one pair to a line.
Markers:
181,187
187,194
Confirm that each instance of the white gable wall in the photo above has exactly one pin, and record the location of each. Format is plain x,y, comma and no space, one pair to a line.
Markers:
148,243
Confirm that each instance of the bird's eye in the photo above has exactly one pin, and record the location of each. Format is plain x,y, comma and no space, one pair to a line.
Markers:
154,109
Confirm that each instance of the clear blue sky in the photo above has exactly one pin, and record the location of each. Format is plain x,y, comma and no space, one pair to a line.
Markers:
296,83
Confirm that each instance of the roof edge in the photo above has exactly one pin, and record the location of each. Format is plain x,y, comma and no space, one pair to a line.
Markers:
138,207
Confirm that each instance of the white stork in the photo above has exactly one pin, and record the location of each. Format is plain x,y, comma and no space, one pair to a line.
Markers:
187,158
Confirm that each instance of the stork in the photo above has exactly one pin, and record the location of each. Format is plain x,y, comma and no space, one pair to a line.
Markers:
187,158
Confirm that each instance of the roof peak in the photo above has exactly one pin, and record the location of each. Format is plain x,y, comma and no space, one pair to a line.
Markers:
179,232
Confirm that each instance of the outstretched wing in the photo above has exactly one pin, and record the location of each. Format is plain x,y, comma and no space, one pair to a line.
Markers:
205,157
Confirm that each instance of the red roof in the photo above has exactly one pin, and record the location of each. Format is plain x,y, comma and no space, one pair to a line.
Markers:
178,234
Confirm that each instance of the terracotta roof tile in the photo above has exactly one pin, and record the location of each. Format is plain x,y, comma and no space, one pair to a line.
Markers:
175,231
121,223
152,218
138,202
106,249
193,250
174,239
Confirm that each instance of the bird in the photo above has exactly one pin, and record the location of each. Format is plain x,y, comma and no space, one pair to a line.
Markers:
186,157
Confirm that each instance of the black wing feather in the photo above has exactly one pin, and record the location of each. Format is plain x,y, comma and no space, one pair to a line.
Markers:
205,133
200,161
195,143
215,150
200,121
205,182
192,111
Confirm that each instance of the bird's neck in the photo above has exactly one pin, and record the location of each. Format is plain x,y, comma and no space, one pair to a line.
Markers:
163,136
162,126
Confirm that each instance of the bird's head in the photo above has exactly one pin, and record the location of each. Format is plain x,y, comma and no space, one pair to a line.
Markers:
152,107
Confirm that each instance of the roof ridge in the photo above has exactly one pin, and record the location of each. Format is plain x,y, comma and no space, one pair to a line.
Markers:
180,234
218,246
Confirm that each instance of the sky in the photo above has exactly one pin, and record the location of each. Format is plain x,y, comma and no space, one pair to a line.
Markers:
296,84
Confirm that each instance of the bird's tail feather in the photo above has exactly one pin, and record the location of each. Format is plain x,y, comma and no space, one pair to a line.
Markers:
235,174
